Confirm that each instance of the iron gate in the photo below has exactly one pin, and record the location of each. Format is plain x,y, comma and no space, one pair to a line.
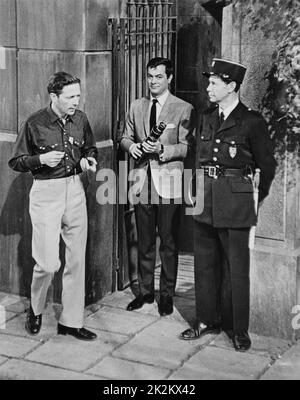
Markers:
147,31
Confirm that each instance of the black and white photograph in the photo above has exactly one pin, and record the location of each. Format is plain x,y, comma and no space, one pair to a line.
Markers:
149,193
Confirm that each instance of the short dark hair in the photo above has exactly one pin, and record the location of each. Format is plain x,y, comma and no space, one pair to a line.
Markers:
155,62
59,80
227,81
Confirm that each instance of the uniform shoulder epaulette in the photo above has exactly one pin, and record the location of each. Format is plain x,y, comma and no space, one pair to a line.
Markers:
254,112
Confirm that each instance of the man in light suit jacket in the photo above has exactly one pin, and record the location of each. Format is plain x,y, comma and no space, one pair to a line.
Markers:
160,178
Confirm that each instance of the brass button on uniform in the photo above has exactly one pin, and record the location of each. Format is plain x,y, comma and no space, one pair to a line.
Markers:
216,150
215,159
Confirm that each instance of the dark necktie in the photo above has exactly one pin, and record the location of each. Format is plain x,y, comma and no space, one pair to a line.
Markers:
221,118
153,114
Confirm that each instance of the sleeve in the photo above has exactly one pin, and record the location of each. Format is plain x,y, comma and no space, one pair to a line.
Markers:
89,148
23,159
186,137
263,153
128,137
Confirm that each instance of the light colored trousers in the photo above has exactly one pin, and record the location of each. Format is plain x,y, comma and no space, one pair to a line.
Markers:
58,207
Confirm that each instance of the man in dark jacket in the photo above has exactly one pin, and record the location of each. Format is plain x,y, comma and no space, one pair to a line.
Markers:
56,144
232,143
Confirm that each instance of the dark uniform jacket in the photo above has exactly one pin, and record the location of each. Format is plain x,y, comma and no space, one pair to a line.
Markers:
241,142
41,133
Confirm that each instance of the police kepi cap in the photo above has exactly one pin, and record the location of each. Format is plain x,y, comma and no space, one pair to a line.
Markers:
227,70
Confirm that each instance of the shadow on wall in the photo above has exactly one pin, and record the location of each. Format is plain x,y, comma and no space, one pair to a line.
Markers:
15,226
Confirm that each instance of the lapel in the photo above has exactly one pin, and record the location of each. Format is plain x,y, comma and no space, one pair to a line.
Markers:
213,120
164,114
145,109
165,111
233,118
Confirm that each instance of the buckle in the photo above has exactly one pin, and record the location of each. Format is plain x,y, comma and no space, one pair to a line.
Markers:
213,172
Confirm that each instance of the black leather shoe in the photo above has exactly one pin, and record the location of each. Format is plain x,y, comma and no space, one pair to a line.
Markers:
165,306
198,331
241,341
139,301
33,322
78,333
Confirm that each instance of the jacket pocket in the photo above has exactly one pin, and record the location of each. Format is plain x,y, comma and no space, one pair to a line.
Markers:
241,187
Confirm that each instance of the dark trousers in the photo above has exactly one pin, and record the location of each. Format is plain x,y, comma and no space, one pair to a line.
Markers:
164,218
222,282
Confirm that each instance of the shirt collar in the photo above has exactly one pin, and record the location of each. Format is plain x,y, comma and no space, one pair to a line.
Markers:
229,109
54,117
161,99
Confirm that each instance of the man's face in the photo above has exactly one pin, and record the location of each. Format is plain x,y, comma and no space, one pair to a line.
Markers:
217,89
67,102
158,81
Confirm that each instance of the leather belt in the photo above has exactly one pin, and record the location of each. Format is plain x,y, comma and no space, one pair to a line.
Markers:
215,172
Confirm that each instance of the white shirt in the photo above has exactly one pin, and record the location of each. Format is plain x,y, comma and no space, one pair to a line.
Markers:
229,109
160,103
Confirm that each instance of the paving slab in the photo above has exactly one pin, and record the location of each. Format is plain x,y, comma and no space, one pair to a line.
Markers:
25,370
5,317
116,368
221,364
116,320
261,345
287,367
13,346
3,359
76,355
159,345
13,303
117,299
16,326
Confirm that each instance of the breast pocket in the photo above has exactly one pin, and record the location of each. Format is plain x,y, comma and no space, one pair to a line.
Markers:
235,150
204,147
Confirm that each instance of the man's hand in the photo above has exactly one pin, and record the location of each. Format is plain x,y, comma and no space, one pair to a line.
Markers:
151,147
135,150
88,164
52,158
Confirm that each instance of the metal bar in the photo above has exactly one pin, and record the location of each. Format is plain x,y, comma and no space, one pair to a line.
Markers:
136,54
162,29
144,36
129,60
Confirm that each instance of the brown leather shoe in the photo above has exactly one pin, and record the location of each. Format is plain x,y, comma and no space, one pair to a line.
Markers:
198,331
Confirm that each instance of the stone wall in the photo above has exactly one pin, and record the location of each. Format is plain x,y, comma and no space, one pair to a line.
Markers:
37,38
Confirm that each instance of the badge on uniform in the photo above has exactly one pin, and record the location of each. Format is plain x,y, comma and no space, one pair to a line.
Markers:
71,140
232,150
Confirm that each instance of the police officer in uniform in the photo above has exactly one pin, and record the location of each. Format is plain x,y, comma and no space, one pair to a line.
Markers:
232,142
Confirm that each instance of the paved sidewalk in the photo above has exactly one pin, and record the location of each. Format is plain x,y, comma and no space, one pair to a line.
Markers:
138,345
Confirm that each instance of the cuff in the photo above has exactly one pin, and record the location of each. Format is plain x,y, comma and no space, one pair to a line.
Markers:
33,162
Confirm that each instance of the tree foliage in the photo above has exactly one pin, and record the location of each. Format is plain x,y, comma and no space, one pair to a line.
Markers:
279,20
